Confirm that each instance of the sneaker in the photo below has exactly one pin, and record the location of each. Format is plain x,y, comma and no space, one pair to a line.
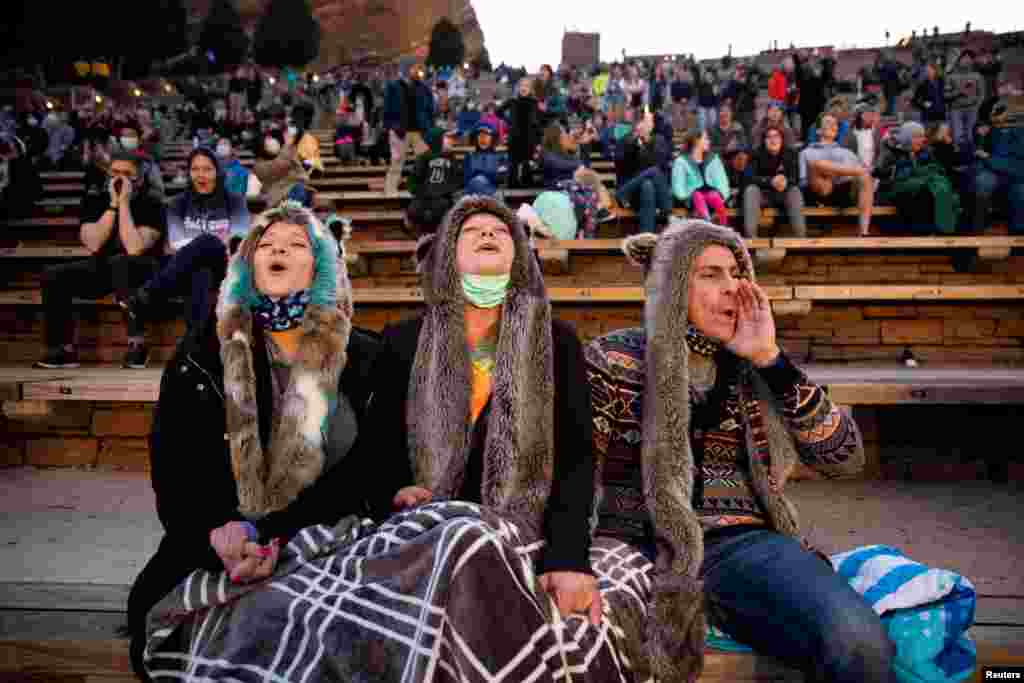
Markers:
661,217
603,215
908,359
137,357
58,359
134,304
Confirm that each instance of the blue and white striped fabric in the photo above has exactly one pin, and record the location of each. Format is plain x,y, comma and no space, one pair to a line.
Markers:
926,611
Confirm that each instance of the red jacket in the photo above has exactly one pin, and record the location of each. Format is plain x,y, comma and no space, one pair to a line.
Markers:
777,86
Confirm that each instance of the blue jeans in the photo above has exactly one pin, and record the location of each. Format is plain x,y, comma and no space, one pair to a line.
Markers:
194,270
646,193
706,117
986,184
481,184
767,592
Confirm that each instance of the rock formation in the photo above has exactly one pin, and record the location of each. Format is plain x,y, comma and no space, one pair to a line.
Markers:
358,29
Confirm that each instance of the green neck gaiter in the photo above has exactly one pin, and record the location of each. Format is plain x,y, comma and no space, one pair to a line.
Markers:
485,291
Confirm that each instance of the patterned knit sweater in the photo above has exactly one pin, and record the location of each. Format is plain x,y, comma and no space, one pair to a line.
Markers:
823,434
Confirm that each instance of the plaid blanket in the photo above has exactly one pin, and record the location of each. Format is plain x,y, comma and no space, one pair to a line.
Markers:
444,592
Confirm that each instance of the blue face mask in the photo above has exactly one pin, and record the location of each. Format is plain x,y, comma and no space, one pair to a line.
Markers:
485,291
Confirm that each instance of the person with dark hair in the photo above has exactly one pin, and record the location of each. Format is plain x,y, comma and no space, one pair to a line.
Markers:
484,169
524,117
642,161
434,183
930,97
699,179
812,80
1000,168
864,138
201,223
726,134
833,175
122,231
565,162
776,183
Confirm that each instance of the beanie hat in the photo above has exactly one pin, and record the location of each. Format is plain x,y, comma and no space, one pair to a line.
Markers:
903,135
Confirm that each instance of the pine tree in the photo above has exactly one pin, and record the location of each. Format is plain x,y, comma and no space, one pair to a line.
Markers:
222,36
446,45
288,35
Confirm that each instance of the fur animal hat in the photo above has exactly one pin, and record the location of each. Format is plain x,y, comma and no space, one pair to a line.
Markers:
519,447
269,478
675,618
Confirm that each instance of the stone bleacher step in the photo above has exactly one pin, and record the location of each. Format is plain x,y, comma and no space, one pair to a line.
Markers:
848,384
78,538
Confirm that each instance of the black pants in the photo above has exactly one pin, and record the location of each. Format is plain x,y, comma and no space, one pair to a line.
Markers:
91,278
171,564
193,271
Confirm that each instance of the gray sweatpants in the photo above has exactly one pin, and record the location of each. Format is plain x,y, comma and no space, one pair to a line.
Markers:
754,198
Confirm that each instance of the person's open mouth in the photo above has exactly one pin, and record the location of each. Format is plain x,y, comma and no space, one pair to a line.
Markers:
277,268
488,248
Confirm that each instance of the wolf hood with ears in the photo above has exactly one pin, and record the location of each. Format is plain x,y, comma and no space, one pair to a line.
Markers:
675,619
269,479
519,451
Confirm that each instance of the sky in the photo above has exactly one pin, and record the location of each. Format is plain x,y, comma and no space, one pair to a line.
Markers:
529,32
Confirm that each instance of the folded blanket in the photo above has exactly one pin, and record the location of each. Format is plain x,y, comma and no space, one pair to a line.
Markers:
926,612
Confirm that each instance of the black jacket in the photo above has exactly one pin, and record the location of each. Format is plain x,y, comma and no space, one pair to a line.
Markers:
766,166
569,509
190,458
632,159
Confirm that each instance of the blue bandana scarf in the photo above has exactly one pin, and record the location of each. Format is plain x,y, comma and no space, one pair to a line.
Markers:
281,314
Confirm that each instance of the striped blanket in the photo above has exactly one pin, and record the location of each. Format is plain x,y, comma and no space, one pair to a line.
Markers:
444,592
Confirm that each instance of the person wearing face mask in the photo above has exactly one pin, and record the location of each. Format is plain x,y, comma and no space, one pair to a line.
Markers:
239,180
474,457
201,222
130,141
278,167
122,229
259,412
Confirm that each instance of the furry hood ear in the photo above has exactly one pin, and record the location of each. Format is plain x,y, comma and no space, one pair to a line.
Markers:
441,281
669,260
330,288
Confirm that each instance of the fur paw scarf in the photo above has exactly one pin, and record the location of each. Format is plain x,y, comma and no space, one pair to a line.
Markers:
676,616
269,478
519,447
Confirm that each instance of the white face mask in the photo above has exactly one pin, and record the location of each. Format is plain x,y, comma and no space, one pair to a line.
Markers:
129,144
272,146
223,151
292,130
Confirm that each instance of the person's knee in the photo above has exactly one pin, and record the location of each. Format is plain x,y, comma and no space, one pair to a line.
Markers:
985,183
752,194
855,643
647,191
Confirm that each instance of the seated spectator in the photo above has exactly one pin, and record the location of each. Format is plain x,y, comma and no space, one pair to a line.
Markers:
238,179
457,89
615,93
930,97
699,180
468,119
279,170
775,116
545,88
832,175
566,170
484,169
490,117
745,93
61,138
912,181
201,222
122,230
726,135
681,91
129,140
642,182
1000,169
289,364
307,145
776,183
348,135
740,174
437,178
636,89
840,109
940,143
865,138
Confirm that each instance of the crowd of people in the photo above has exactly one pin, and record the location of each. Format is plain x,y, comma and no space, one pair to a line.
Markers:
479,449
